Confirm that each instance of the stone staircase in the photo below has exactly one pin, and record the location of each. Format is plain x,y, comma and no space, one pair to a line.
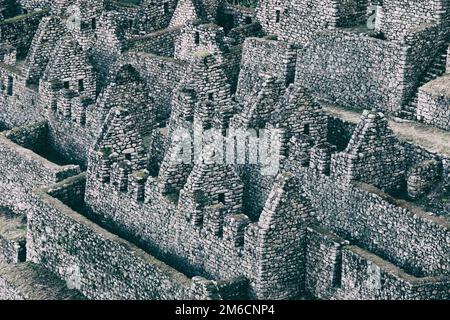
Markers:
436,70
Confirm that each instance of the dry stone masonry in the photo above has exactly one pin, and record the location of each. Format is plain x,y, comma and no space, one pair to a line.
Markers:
198,149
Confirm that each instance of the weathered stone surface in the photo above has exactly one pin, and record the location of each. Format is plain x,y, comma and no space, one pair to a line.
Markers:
229,152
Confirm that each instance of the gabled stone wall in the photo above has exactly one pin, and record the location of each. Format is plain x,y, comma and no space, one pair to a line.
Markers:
262,58
373,155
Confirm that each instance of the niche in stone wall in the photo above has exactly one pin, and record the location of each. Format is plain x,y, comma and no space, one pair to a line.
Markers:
221,198
80,85
197,38
277,15
306,129
10,88
166,8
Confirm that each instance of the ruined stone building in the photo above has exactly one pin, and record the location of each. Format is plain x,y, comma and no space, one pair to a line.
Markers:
329,177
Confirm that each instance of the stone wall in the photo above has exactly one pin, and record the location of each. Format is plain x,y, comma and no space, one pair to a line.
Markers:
19,31
71,140
255,236
423,46
338,270
232,16
110,42
297,20
339,132
239,34
196,37
400,68
231,66
32,5
162,74
282,234
300,21
375,221
24,170
256,189
160,43
212,8
323,262
129,121
448,60
112,269
8,292
352,12
189,10
69,69
50,30
415,154
422,177
67,93
353,70
367,277
159,225
401,17
262,58
374,155
71,192
434,103
18,102
211,239
147,17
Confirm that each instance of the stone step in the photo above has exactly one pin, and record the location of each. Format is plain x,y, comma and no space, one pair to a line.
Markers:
28,281
407,114
438,66
411,106
434,70
443,59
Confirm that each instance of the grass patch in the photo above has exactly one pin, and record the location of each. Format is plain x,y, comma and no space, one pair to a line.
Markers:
244,3
22,17
128,3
